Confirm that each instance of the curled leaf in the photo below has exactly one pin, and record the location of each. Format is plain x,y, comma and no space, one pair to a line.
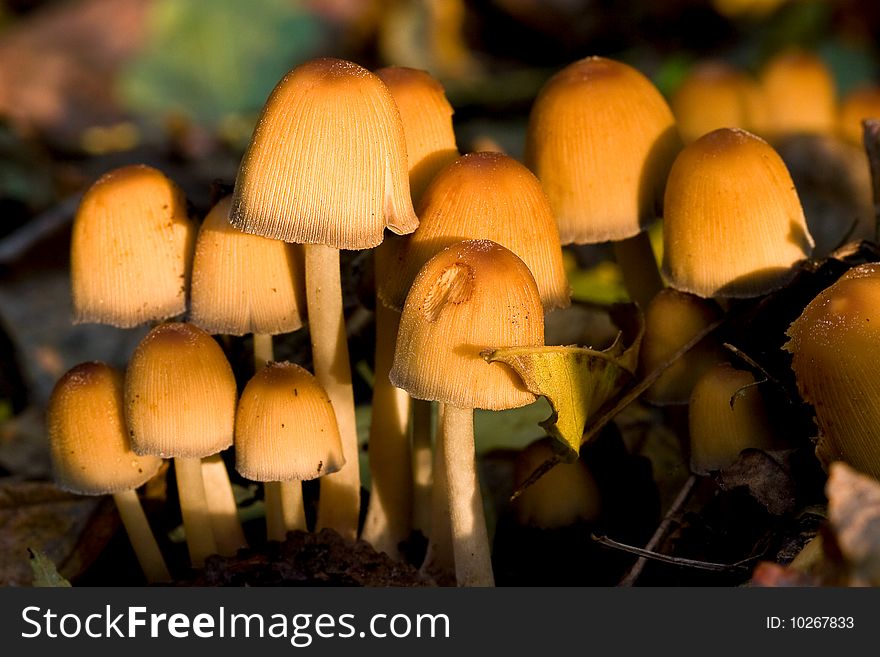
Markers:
577,381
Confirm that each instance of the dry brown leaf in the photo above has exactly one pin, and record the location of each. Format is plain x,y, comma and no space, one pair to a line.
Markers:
854,519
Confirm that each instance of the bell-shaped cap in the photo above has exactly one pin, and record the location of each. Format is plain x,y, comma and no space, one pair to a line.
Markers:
472,296
727,414
327,161
672,319
484,196
427,123
601,139
285,427
566,494
715,95
733,223
243,283
858,105
800,94
835,361
88,440
131,249
179,394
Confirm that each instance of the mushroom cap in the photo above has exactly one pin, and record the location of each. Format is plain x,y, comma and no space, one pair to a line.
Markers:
733,224
727,414
601,139
179,394
243,283
88,440
285,427
672,319
563,496
469,297
715,95
327,161
858,105
131,249
427,123
483,196
800,94
835,361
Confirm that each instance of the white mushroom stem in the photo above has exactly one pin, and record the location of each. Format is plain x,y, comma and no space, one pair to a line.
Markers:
263,352
470,539
439,561
221,501
284,509
141,536
194,509
638,265
389,515
339,503
422,458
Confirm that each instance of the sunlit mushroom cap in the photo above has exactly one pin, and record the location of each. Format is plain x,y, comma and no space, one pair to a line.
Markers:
563,496
733,223
427,123
131,249
244,283
484,196
601,139
469,297
800,94
856,106
179,394
327,161
88,441
672,319
715,95
727,414
285,427
835,359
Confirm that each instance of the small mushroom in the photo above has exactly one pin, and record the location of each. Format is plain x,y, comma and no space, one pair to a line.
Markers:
800,94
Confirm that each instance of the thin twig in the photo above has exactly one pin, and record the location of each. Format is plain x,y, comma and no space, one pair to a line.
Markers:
743,566
20,240
662,530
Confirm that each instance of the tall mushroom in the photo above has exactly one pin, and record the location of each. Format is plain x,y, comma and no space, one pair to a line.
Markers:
472,295
180,399
601,139
91,454
327,168
285,433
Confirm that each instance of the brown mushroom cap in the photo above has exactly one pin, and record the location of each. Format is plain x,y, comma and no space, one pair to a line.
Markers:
179,394
427,123
285,427
88,440
131,249
244,283
601,139
471,296
733,224
835,361
800,94
327,161
484,196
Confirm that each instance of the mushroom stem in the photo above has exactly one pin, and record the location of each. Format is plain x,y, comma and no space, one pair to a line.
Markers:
439,561
470,539
194,509
637,263
389,515
284,509
263,352
339,503
141,536
422,457
221,501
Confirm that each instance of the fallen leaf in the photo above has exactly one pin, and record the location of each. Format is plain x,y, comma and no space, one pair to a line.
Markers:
854,519
766,475
46,574
577,381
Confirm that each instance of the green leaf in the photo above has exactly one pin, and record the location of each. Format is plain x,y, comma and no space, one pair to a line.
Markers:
577,381
45,572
